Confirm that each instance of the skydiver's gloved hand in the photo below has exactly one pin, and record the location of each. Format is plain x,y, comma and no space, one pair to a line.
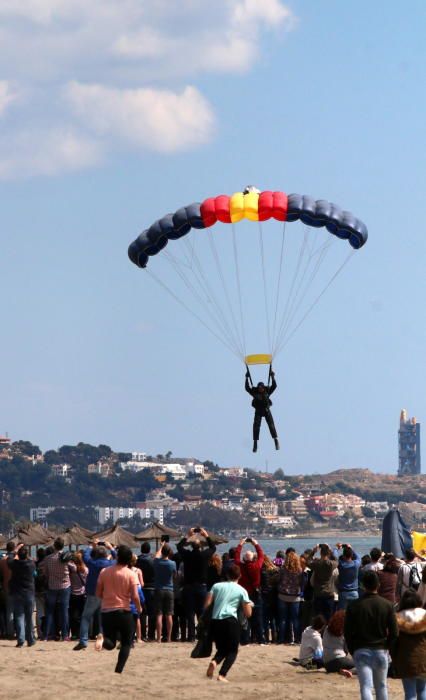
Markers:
272,373
247,375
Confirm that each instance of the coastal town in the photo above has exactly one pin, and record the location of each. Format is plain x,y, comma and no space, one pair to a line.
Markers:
97,486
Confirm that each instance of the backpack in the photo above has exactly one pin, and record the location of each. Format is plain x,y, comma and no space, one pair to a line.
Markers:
414,579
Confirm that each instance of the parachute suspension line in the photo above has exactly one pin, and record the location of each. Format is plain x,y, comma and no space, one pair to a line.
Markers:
265,291
316,300
297,303
277,301
193,313
222,327
232,333
240,298
302,287
292,285
225,291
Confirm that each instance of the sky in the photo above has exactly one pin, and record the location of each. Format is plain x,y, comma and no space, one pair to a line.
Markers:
113,114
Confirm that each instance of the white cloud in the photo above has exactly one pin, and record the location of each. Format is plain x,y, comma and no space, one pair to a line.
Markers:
270,12
158,120
49,152
126,68
6,96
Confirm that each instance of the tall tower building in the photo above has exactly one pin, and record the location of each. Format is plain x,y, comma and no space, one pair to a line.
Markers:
409,445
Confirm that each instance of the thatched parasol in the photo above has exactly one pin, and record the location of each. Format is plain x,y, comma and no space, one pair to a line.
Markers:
76,536
116,535
32,535
156,531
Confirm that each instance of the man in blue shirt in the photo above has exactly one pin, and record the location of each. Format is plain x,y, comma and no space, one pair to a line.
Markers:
96,558
349,563
164,574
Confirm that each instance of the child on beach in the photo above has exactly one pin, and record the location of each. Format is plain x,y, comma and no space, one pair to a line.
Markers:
311,651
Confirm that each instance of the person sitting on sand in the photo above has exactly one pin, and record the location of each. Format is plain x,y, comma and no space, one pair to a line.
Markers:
335,653
311,650
117,586
227,598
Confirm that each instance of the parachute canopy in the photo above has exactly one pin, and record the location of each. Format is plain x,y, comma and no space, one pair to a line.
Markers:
253,206
396,536
240,280
419,542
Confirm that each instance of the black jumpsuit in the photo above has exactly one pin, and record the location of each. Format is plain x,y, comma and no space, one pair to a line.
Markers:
261,403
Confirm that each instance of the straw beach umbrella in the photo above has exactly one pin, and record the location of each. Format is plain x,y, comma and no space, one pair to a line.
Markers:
116,535
156,531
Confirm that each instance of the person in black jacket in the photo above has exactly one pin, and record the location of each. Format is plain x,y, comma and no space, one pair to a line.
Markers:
195,562
22,590
262,408
371,630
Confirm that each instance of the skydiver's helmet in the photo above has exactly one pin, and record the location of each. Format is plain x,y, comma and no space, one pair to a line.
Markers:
261,386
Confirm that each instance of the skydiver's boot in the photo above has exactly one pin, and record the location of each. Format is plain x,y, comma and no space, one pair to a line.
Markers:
277,444
254,445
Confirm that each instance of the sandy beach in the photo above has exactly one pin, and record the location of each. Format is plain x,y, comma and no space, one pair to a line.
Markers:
52,669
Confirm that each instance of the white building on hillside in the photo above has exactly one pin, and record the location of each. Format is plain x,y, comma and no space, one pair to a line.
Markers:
105,513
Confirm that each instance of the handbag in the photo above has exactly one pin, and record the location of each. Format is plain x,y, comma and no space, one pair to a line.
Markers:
203,647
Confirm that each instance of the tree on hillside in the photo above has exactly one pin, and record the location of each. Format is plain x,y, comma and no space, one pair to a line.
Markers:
279,475
24,447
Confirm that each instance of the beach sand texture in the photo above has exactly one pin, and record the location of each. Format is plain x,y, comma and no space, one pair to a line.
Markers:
52,671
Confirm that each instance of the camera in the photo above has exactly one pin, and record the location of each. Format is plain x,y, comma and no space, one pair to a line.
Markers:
249,540
165,538
197,529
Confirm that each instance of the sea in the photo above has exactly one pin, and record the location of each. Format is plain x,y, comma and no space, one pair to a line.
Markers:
361,544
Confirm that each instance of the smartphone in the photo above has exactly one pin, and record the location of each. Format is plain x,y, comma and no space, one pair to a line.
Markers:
165,538
197,529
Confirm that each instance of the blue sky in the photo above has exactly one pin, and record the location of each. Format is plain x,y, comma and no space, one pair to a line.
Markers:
117,113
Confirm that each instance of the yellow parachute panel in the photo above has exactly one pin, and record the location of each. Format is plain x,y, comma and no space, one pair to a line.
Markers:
236,207
419,542
260,359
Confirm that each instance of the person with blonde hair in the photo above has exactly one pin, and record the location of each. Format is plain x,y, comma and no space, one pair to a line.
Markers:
214,570
290,587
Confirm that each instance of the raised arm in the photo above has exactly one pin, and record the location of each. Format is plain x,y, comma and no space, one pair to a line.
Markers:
238,552
247,386
273,385
260,554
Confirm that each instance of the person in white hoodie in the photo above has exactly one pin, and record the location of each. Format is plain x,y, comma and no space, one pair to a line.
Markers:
311,651
409,652
422,588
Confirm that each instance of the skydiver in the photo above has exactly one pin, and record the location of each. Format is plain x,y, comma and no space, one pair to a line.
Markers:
261,404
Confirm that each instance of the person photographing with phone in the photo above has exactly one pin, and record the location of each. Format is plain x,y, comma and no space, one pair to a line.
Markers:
195,562
251,567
